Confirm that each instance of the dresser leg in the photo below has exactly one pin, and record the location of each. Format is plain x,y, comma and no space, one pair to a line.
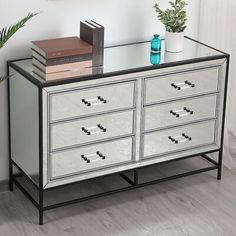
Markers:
10,176
220,165
135,177
219,173
40,217
40,207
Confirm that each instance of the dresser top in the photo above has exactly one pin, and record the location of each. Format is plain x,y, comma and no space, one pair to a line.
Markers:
128,58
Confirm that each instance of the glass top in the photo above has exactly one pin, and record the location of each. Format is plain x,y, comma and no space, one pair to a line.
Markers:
127,58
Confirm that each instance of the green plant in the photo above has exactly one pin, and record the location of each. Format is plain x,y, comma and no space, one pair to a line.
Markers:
174,18
7,32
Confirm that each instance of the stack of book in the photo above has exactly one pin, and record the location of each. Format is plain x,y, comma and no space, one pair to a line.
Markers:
72,56
61,58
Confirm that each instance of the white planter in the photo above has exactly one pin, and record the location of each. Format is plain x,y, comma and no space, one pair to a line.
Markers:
172,57
174,42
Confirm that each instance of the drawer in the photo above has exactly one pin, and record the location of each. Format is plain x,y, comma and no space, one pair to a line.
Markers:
90,101
82,131
176,113
90,158
180,85
182,138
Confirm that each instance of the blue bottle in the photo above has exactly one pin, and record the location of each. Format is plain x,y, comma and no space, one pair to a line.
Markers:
155,58
156,44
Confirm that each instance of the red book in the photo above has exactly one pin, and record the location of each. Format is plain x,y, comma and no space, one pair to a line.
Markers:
61,47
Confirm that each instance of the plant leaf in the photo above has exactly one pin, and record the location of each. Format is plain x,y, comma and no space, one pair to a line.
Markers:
7,32
174,18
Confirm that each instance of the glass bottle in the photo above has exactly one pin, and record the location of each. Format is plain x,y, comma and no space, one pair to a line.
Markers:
155,58
156,44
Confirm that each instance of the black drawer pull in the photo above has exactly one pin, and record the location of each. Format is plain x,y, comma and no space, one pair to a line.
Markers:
89,158
183,85
180,138
181,112
94,129
94,101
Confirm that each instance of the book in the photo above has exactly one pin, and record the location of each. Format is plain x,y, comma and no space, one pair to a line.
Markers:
93,33
89,34
60,60
61,67
101,32
62,47
63,74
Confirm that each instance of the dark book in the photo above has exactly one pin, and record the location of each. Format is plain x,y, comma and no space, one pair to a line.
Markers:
62,47
60,60
101,33
93,33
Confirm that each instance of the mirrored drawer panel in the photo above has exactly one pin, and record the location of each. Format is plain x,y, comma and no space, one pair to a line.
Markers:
176,113
90,158
185,137
93,129
90,101
181,85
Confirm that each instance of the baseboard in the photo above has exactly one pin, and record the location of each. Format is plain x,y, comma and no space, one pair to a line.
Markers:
4,186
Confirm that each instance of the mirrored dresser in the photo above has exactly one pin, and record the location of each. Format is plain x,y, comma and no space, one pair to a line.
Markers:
131,113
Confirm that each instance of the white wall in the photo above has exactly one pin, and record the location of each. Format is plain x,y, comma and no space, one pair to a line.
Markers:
217,27
124,21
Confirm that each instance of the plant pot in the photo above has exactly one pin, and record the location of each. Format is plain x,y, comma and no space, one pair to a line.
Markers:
174,42
172,57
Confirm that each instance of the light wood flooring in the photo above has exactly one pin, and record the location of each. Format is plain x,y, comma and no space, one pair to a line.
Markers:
196,205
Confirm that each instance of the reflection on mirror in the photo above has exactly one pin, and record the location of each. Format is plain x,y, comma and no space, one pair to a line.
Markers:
133,56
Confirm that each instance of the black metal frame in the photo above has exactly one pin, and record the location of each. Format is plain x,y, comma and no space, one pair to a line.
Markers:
216,165
133,183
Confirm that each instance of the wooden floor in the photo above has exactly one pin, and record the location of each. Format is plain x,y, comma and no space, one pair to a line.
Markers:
196,205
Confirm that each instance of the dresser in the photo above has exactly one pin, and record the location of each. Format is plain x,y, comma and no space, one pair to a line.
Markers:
127,115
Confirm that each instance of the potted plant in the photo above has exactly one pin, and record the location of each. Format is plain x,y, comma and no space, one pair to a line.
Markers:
7,32
174,19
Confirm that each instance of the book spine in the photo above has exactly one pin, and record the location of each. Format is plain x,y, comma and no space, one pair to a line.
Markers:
68,53
101,42
86,33
63,60
62,53
91,36
62,67
95,46
101,47
63,74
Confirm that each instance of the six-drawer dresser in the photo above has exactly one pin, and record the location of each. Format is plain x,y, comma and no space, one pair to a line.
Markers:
124,116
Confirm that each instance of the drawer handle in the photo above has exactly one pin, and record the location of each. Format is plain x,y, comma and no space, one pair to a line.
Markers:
183,85
94,101
180,138
94,130
182,112
90,157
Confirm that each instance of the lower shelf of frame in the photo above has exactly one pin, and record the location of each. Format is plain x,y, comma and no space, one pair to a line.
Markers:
131,178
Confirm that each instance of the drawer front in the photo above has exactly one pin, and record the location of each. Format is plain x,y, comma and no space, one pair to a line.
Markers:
82,131
185,137
176,113
90,101
90,158
181,85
